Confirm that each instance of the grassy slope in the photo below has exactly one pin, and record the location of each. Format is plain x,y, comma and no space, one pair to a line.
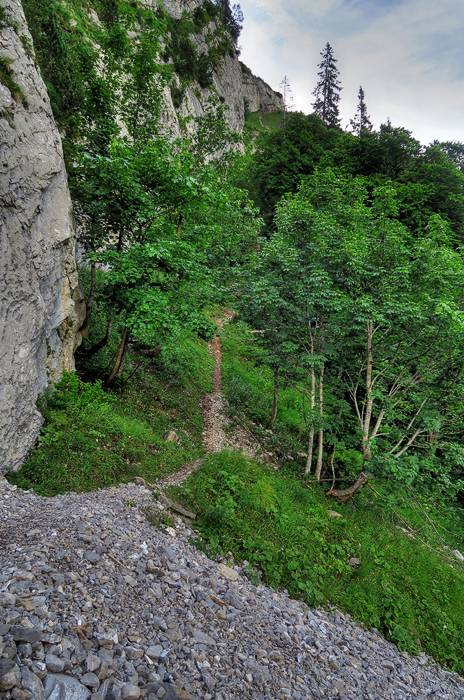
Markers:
409,592
93,439
258,122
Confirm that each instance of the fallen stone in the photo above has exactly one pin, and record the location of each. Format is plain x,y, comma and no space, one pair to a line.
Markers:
227,572
62,687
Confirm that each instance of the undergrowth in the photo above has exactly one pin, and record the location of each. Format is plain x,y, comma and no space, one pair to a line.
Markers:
406,587
92,438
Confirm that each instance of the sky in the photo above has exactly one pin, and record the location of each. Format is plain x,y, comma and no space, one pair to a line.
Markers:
407,54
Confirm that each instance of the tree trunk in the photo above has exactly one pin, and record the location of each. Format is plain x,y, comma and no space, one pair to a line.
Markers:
102,342
312,403
320,447
343,495
118,360
89,301
275,400
366,449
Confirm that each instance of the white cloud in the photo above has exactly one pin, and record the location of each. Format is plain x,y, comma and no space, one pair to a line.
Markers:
407,55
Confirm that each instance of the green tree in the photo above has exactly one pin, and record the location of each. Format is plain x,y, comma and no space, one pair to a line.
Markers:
361,122
328,88
283,157
372,314
232,16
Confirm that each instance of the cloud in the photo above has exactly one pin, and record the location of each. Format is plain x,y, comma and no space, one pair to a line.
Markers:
407,54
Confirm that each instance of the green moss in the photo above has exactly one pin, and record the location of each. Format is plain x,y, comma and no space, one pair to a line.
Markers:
27,45
8,80
8,116
190,64
5,20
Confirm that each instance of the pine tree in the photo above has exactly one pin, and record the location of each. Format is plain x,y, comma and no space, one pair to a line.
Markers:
361,121
287,96
328,88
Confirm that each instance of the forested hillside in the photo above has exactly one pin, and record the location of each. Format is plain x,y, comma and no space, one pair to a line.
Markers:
328,262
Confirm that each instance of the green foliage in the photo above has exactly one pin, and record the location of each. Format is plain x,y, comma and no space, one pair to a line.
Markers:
342,280
260,122
8,80
95,73
92,439
283,157
189,63
411,593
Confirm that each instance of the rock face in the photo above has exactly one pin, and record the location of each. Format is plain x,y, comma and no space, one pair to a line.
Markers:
238,89
258,95
38,280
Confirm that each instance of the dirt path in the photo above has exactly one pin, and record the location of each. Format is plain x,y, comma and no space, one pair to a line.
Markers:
217,435
214,437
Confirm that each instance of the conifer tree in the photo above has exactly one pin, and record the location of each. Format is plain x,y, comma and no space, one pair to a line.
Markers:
328,88
361,121
287,96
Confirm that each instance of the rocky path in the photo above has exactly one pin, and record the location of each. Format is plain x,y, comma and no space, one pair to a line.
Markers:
98,604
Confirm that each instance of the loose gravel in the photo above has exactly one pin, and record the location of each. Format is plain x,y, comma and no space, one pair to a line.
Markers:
98,604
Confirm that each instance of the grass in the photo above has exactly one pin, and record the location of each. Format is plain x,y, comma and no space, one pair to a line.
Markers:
92,439
7,79
411,592
248,386
264,121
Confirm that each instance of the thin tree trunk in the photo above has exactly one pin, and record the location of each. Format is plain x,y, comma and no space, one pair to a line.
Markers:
102,342
312,403
118,360
366,450
320,447
275,399
89,301
410,442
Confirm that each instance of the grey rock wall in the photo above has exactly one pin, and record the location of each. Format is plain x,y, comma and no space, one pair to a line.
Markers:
233,82
39,297
259,96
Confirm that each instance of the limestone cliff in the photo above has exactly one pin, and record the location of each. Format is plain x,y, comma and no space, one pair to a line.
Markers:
235,84
38,280
39,297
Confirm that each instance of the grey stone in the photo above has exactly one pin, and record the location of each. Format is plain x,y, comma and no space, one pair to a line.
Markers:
9,675
92,557
62,687
54,663
154,652
25,634
90,680
92,662
7,600
130,692
38,279
32,683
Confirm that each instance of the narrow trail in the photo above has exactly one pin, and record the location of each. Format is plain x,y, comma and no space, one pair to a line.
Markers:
214,437
218,434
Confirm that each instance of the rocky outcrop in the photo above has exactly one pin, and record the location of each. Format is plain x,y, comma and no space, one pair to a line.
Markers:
38,280
232,81
258,95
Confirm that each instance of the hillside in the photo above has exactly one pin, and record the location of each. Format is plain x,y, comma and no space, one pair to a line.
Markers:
231,372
